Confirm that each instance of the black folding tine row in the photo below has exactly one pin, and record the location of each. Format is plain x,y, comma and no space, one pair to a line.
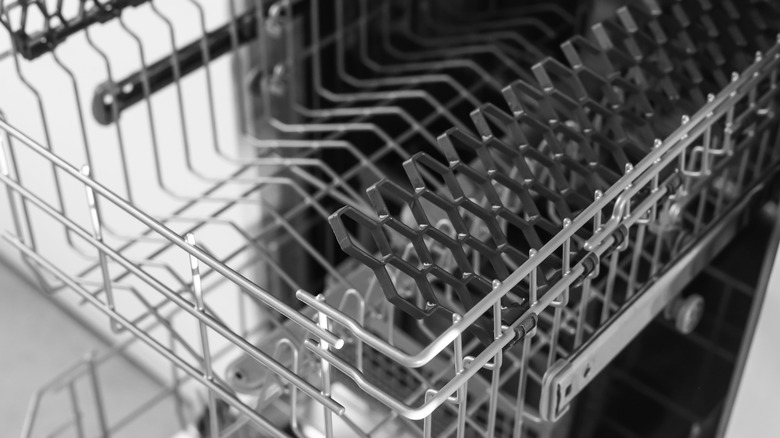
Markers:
57,26
627,84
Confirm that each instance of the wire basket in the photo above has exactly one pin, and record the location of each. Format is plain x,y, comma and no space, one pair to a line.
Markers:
85,401
194,205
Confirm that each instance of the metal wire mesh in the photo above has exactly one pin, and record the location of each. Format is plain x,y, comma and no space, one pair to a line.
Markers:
93,410
492,246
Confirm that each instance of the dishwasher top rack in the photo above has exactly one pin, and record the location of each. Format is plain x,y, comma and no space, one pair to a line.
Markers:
638,197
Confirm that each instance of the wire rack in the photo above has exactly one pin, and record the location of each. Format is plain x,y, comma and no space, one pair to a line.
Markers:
82,397
188,192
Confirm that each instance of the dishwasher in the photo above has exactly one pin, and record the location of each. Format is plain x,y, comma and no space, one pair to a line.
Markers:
396,218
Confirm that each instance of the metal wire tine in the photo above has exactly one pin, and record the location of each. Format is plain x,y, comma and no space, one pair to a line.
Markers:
150,114
236,426
167,268
598,217
78,420
367,112
443,395
178,400
660,238
207,69
97,395
462,393
361,317
280,220
261,251
721,194
308,247
176,70
160,319
148,405
197,290
703,196
63,379
743,165
79,111
455,46
30,415
611,273
428,421
221,153
523,15
204,257
522,385
495,380
566,266
335,129
334,180
555,330
375,109
209,83
636,258
325,370
433,68
366,96
47,144
317,145
416,66
293,390
533,286
265,256
97,232
391,144
185,138
19,215
177,381
158,170
264,181
583,310
115,113
339,128
676,140
492,36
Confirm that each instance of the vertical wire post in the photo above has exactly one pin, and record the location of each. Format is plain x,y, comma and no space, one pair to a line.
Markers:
325,369
97,233
197,289
98,396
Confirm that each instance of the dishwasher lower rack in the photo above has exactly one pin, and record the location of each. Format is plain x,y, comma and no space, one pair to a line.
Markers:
82,401
510,353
